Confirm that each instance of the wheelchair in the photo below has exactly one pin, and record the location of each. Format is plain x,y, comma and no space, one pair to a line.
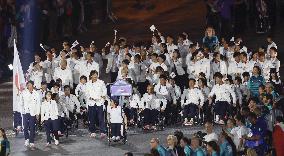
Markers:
158,125
123,133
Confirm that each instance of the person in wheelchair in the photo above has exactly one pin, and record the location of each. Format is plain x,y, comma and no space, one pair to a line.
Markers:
165,94
80,93
176,100
116,119
61,114
192,101
150,108
223,93
136,106
72,105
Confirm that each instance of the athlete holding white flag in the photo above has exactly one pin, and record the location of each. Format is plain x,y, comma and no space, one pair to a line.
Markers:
18,85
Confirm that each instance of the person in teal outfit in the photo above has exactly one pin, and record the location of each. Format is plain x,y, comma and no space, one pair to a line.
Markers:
154,143
184,143
195,146
213,149
4,144
227,146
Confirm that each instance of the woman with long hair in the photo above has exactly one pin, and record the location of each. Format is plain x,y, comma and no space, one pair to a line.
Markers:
4,143
227,146
213,149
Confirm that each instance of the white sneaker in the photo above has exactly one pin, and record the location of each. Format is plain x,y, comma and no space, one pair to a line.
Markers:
117,138
56,142
47,145
27,143
93,135
113,138
32,146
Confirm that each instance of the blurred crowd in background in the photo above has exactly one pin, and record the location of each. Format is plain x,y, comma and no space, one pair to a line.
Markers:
31,22
56,19
233,17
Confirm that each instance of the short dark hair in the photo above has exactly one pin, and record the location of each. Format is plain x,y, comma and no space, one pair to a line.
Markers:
178,53
209,122
214,145
66,87
182,36
58,80
128,154
30,82
252,115
125,61
240,118
159,68
218,74
115,100
236,54
246,74
137,56
245,109
268,96
154,54
239,79
274,49
192,79
279,119
203,80
56,84
163,76
244,54
54,96
186,140
179,135
90,53
93,72
162,56
83,77
170,36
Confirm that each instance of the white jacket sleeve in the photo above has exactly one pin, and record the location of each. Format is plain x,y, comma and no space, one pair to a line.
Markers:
201,97
212,93
38,106
42,112
104,89
223,68
109,63
162,39
233,94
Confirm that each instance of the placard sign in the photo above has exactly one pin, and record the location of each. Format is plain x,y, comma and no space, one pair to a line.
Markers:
121,88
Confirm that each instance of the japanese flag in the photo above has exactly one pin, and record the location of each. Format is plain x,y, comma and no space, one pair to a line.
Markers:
18,79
